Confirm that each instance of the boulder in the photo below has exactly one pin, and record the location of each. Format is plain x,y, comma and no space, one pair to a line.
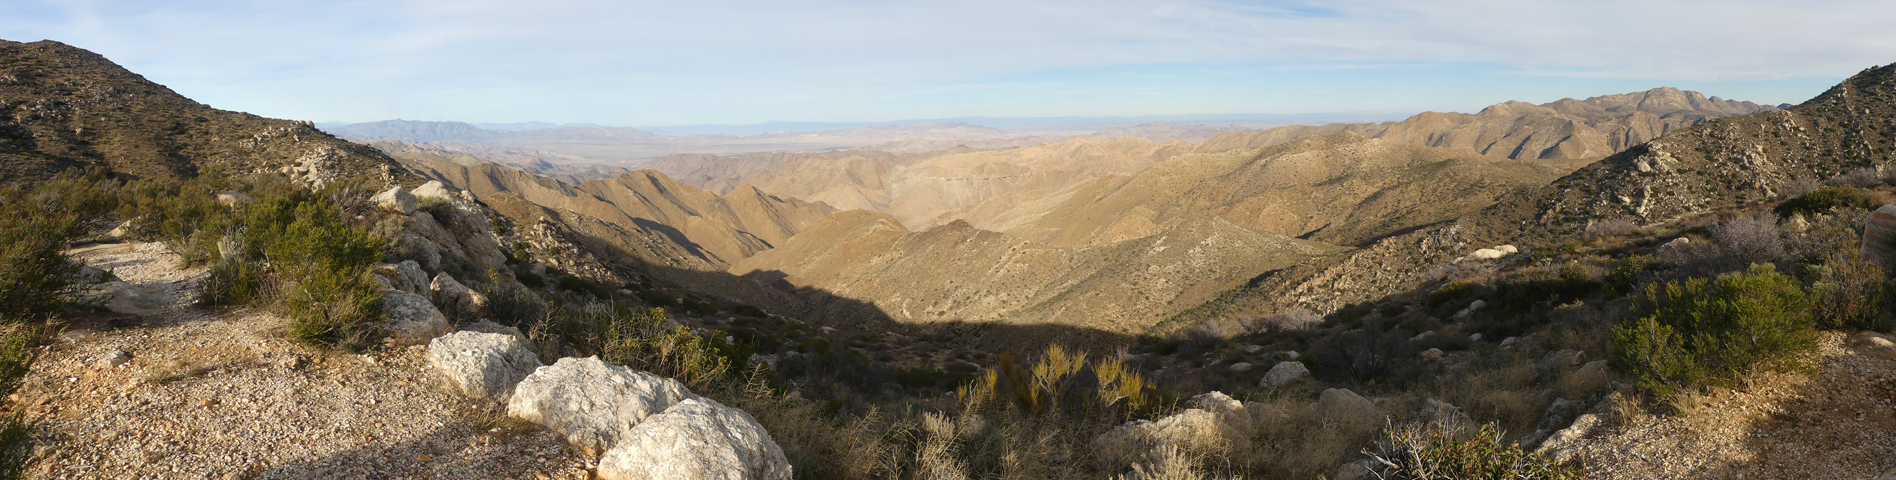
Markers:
1474,338
1508,249
1422,336
1876,237
1241,367
406,276
1445,414
1283,373
90,275
395,200
485,366
1345,405
1230,411
590,403
412,320
1431,354
456,299
1509,342
1677,243
1472,308
697,438
1253,348
434,189
1485,254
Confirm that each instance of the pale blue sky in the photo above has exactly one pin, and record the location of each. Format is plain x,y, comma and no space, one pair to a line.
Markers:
712,62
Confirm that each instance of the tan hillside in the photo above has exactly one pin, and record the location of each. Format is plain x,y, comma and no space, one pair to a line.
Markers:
1340,189
1564,129
956,273
717,229
61,106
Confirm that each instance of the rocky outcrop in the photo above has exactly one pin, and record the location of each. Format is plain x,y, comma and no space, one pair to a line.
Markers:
485,366
697,438
121,297
591,403
412,320
1211,423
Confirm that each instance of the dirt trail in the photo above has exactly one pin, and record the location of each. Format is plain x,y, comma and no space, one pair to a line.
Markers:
1839,421
223,395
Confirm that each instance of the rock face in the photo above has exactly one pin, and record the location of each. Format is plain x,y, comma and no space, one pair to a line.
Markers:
1558,415
412,320
456,299
1560,445
697,438
593,404
1283,373
406,276
1212,422
1876,236
1446,414
485,366
395,200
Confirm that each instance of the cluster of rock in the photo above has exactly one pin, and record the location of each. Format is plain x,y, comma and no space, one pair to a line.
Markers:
642,426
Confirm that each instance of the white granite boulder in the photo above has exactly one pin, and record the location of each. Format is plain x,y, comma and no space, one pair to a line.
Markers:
484,365
395,199
697,438
591,403
434,189
1344,405
412,320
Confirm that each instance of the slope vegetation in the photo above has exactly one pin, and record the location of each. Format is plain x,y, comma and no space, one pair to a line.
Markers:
61,107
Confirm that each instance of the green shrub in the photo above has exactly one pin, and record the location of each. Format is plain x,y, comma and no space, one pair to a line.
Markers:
1823,200
1433,451
643,340
1699,333
439,208
36,226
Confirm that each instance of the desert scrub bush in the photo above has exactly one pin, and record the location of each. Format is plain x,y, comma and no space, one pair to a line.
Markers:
1608,228
16,433
1750,239
287,249
1823,200
1699,333
642,339
1436,451
36,225
1066,382
1851,292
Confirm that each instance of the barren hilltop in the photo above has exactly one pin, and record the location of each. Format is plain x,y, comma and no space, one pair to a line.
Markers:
1646,285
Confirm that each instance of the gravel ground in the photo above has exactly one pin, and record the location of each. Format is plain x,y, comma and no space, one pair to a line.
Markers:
1837,422
223,395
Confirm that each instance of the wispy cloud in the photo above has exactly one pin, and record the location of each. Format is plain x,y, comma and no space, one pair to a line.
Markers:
711,61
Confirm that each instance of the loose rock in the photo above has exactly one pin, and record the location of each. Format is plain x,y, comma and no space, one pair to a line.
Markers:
1283,373
412,320
395,199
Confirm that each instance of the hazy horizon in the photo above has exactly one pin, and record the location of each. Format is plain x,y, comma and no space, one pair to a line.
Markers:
744,64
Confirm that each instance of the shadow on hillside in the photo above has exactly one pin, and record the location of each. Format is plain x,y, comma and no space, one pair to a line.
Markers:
771,291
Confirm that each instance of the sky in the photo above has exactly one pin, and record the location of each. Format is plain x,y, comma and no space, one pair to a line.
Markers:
630,63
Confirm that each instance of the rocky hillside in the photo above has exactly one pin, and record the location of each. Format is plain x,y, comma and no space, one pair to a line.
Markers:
62,106
1703,169
1564,129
